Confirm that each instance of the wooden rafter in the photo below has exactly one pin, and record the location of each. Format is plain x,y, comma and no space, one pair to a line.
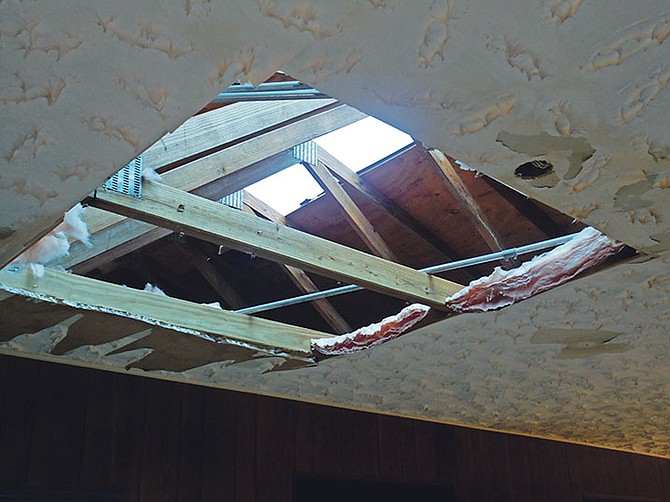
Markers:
213,131
198,257
214,222
402,217
91,294
353,215
475,213
298,276
231,169
526,207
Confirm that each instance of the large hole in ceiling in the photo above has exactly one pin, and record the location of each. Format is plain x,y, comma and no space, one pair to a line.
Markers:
382,194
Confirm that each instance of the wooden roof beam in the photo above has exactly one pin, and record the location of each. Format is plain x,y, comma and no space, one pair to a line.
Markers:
352,214
453,181
198,257
92,294
232,169
207,133
299,277
172,208
402,217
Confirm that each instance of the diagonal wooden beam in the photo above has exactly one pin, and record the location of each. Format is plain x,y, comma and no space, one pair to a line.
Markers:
402,217
529,208
445,166
91,294
298,276
214,177
212,131
198,257
214,222
354,216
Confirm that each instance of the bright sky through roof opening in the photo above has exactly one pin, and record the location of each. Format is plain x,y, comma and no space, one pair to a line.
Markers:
357,145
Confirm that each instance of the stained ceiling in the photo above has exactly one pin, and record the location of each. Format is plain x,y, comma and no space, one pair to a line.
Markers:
86,86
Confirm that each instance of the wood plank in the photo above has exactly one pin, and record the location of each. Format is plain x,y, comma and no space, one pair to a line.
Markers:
246,438
219,224
223,126
274,452
528,208
258,148
390,450
160,445
78,290
402,217
195,255
55,458
473,211
221,431
322,306
191,443
17,416
299,277
263,209
240,165
303,437
353,215
110,244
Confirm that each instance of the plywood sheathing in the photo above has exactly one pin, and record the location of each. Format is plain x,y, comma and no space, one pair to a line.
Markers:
85,86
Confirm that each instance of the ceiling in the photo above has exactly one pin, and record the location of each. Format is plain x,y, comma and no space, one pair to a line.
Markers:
85,86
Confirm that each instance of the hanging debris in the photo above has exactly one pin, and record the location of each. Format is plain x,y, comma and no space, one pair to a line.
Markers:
374,334
544,272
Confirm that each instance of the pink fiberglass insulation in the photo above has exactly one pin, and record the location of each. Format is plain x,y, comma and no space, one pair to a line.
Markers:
56,243
546,271
374,334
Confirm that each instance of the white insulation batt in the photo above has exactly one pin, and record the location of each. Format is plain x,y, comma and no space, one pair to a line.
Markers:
56,244
548,270
581,85
374,334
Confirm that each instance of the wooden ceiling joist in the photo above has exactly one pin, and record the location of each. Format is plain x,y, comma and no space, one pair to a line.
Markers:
474,212
91,294
402,217
218,129
172,208
301,280
198,257
233,168
352,214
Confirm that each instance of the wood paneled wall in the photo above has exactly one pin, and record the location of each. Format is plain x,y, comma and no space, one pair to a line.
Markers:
162,441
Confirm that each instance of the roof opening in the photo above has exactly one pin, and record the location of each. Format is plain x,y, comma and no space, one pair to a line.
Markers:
357,146
363,143
286,190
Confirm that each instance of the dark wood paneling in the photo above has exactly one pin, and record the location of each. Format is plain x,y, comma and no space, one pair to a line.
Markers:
17,416
155,440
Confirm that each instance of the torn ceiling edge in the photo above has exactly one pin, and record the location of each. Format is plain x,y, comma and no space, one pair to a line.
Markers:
210,323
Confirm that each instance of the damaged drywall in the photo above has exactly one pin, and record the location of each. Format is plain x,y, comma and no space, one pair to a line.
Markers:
456,75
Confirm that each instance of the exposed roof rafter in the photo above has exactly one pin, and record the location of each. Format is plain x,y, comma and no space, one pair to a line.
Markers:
352,214
299,277
208,220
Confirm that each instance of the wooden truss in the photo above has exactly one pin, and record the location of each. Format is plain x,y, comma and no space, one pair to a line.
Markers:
213,155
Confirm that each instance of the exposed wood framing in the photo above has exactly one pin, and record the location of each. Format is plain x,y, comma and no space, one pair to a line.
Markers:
220,128
473,210
298,276
202,263
406,220
526,207
91,294
208,220
232,169
354,216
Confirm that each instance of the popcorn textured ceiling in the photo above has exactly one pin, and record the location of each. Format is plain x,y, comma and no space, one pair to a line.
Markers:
86,86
